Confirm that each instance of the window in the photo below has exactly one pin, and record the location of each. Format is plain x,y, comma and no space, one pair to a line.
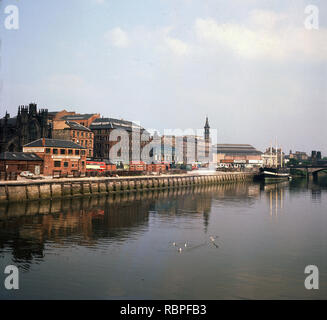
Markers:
55,151
77,133
62,151
47,150
66,164
82,164
77,152
74,134
83,152
57,164
82,134
70,151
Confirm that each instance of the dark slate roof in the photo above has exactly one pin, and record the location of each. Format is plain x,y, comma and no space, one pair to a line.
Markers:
236,149
77,126
55,143
78,116
10,121
110,123
19,156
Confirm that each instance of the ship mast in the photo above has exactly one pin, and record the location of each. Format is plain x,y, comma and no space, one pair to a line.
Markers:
276,154
281,158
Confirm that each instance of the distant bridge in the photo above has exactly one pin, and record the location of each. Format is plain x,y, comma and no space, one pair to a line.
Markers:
313,169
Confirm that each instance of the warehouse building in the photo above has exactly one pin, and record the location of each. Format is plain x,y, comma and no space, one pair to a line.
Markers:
236,155
18,162
70,130
62,156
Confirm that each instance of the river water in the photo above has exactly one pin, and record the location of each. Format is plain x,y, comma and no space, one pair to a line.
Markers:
229,241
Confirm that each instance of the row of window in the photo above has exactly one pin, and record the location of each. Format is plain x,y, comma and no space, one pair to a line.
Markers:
57,164
65,151
83,143
81,133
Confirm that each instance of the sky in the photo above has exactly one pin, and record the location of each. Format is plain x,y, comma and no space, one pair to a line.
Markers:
251,66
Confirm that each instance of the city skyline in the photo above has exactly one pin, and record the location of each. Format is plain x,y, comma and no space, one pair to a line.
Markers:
253,68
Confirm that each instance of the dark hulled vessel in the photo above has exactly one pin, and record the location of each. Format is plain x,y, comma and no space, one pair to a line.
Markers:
270,174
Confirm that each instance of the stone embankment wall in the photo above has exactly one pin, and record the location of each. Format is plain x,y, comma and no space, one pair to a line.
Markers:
14,191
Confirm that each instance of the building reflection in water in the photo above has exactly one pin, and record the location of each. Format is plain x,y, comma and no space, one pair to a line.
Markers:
26,228
276,198
275,192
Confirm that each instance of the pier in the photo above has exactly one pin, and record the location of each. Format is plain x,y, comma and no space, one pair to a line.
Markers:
14,191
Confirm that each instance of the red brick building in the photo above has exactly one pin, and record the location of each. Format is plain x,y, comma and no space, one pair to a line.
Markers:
58,155
70,130
103,128
20,161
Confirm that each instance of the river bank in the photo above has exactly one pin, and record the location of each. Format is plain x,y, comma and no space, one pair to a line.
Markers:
13,191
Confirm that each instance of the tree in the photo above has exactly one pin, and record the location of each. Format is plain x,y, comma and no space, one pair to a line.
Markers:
293,162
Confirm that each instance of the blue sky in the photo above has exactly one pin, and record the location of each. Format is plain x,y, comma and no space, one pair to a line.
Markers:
250,65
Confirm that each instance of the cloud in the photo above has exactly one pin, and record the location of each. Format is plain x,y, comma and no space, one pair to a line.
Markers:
117,38
266,19
239,39
265,35
177,46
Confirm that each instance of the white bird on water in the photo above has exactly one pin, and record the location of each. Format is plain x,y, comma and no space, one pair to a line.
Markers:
180,250
174,244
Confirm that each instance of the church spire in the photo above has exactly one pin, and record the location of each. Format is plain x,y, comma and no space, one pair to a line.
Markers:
207,137
206,126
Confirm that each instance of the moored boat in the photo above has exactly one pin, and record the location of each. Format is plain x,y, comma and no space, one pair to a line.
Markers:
268,174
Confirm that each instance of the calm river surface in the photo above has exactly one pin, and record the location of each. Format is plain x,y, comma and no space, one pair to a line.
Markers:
121,247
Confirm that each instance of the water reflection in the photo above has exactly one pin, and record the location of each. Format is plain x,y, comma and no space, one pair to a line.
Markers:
275,193
223,227
25,228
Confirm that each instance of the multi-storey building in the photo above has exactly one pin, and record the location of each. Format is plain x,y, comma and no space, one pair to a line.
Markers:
108,132
58,155
70,130
298,155
187,149
273,158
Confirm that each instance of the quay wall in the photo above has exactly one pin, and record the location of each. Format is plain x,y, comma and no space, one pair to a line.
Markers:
15,191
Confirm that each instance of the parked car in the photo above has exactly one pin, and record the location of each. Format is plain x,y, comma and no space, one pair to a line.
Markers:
26,174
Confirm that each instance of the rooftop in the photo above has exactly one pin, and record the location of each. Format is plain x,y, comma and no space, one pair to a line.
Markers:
236,149
53,143
19,156
79,116
77,126
110,123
